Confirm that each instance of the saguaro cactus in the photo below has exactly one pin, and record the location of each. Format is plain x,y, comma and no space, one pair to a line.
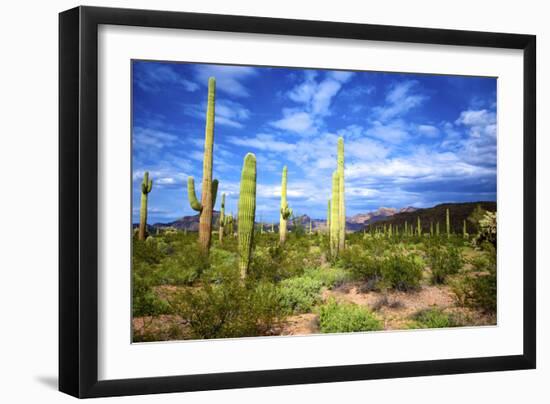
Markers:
431,229
437,229
464,231
448,222
418,226
209,186
328,217
341,199
335,214
146,187
223,219
286,212
406,229
247,212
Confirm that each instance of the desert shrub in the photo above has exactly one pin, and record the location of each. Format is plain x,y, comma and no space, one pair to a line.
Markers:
300,294
402,272
443,262
145,252
385,301
433,318
479,289
228,309
360,264
145,301
328,276
276,262
182,268
344,317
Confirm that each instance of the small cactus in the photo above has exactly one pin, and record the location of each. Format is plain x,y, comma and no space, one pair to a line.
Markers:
464,231
146,187
437,229
247,212
341,199
223,219
418,226
431,229
286,212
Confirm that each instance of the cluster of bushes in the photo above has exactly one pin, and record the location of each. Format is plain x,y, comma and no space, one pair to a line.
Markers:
434,318
346,317
478,288
443,261
392,270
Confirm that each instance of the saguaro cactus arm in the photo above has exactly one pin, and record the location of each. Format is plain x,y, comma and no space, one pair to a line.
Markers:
192,196
215,184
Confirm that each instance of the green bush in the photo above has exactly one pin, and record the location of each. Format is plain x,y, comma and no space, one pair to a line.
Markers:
299,295
182,268
328,276
402,272
443,262
344,317
479,289
229,309
360,264
145,301
433,318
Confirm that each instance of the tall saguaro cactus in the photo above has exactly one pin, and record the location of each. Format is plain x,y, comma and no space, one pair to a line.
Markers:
286,212
146,187
247,212
335,214
328,216
341,198
223,219
418,226
448,222
209,187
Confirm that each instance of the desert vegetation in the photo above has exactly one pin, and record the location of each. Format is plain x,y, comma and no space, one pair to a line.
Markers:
240,277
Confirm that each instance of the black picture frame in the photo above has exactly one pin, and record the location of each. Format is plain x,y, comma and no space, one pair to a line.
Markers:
78,201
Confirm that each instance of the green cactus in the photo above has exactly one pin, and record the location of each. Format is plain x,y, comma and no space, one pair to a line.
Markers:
448,222
286,212
390,230
437,229
418,226
146,187
328,217
341,199
310,227
272,227
247,212
406,229
335,215
431,229
209,186
223,219
464,231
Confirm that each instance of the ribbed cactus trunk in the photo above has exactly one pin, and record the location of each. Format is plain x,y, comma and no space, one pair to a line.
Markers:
464,231
247,212
285,212
437,229
431,229
406,229
335,214
448,222
418,226
328,217
209,186
223,219
146,187
341,198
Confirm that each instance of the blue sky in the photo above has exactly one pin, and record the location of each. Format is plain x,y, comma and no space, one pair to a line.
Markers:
410,139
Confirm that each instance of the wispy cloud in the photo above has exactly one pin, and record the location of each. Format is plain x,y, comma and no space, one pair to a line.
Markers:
229,79
400,99
156,75
227,113
262,141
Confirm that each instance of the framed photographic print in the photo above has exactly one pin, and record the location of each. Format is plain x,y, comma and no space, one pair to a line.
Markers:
251,201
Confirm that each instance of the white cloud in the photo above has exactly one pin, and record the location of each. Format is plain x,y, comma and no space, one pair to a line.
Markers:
262,141
229,79
393,132
399,100
150,78
296,121
227,113
428,131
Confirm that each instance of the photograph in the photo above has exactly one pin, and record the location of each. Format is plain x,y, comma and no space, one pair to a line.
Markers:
272,201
